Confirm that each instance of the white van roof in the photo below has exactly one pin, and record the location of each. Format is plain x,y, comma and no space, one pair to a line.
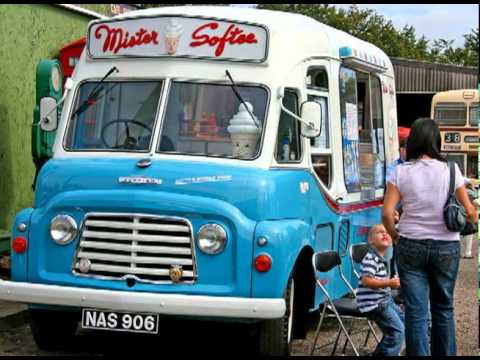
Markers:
292,37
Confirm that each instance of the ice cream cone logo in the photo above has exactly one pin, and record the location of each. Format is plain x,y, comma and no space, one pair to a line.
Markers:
244,133
173,33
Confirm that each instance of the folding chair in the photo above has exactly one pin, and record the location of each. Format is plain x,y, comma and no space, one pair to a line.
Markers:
343,308
357,253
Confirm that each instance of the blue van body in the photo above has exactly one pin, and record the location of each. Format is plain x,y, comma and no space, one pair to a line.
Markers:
252,203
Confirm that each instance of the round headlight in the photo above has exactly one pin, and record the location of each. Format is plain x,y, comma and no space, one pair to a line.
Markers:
63,229
211,239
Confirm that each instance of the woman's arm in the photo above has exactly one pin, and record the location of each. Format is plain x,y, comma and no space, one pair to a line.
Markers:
392,198
462,196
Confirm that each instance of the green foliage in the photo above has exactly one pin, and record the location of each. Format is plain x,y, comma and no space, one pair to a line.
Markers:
370,26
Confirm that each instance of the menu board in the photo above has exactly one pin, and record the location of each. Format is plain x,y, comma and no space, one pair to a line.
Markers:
350,148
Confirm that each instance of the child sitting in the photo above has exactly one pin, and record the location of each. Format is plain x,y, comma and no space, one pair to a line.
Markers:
373,296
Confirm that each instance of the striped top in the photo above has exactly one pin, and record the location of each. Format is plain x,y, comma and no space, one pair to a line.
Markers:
373,265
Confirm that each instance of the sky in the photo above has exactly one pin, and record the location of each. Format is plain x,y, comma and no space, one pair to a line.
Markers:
435,21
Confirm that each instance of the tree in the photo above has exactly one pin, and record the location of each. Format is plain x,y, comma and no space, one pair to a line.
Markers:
471,47
444,52
370,26
365,24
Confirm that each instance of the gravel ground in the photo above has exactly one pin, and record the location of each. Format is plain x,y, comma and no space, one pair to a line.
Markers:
220,338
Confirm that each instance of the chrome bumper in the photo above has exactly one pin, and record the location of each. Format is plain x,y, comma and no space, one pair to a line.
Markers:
171,304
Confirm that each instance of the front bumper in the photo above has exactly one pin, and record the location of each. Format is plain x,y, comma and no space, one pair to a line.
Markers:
169,304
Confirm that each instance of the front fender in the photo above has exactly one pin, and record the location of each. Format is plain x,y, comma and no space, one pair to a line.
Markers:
285,240
19,261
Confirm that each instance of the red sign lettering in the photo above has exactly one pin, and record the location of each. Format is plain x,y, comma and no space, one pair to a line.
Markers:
234,35
117,38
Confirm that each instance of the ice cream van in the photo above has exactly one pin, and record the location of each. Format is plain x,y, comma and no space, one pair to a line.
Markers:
200,156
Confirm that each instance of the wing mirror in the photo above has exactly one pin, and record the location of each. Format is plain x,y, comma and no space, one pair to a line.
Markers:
48,114
311,115
312,118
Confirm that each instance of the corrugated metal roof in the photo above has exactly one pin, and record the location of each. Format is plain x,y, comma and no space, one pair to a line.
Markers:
412,76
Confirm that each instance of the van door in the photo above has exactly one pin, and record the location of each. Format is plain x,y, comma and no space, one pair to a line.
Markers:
332,229
362,151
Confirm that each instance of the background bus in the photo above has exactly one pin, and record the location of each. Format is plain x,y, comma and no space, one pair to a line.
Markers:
457,114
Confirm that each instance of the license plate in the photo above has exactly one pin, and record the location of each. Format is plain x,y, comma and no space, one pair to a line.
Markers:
119,321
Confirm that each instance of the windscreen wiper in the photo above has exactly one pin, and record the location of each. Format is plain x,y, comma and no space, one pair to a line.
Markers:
237,93
94,93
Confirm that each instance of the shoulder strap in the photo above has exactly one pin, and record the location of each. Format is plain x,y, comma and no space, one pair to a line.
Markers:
452,178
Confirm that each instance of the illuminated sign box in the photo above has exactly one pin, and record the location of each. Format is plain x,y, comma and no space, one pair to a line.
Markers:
362,59
179,37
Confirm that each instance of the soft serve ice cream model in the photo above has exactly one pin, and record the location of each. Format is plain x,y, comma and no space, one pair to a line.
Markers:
244,132
173,32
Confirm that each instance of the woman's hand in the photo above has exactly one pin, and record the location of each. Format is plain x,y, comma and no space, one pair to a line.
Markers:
462,196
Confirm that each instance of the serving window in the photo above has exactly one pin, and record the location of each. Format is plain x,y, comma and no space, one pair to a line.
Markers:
362,132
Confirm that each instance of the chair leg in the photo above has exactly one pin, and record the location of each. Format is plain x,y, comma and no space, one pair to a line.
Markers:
336,340
367,337
317,332
350,333
373,331
345,330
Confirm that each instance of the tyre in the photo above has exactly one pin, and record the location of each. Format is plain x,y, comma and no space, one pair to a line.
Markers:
53,330
275,336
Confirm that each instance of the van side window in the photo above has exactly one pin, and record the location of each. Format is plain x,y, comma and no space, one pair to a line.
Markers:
288,137
320,146
362,132
322,142
317,79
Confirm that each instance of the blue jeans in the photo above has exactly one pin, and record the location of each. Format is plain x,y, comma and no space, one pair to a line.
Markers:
428,270
390,319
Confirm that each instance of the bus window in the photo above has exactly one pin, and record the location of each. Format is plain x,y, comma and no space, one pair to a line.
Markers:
472,166
459,159
474,114
451,114
288,138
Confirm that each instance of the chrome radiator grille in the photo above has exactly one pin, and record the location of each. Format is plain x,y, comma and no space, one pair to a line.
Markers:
145,247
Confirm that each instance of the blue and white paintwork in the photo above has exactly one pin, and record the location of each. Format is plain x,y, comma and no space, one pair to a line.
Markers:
283,203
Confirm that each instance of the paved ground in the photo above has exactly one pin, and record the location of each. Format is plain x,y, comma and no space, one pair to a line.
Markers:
183,337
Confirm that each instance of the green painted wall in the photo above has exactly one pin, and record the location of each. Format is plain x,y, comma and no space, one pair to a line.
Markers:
28,33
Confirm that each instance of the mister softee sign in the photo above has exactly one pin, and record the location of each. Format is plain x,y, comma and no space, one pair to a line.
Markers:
178,36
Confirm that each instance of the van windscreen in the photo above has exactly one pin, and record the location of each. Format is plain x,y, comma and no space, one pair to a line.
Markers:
209,120
115,116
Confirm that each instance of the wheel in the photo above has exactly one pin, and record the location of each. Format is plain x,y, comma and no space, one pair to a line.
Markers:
53,330
275,336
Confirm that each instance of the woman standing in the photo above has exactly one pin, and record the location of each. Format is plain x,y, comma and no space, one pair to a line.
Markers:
428,254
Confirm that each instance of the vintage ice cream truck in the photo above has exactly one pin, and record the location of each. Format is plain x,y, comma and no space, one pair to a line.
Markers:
201,156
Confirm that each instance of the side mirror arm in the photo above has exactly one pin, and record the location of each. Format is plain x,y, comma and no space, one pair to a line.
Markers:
68,87
309,124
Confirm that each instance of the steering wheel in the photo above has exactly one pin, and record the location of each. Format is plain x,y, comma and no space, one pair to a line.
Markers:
130,142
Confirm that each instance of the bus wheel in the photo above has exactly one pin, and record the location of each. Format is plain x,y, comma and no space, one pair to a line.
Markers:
275,336
53,330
